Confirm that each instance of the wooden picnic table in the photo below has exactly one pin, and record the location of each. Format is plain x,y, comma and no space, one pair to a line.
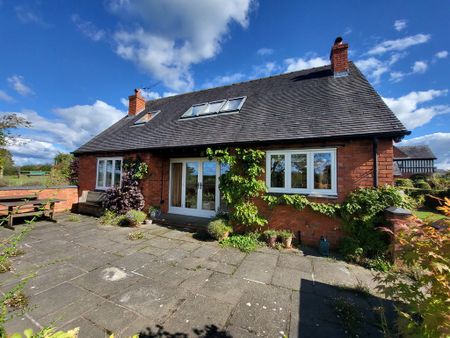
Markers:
38,206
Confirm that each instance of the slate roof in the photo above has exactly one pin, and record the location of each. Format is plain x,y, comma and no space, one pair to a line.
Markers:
414,152
302,105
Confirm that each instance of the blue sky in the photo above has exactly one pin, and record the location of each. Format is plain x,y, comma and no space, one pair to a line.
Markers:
69,69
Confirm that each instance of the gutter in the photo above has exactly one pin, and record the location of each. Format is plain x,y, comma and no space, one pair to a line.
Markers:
375,161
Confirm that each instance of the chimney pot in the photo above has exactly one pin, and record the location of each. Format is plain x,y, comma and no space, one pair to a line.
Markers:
339,58
136,103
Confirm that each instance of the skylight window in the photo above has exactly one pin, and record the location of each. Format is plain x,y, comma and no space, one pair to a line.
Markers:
215,107
146,117
233,104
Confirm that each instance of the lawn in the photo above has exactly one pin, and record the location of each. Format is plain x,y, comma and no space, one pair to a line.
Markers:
23,180
428,215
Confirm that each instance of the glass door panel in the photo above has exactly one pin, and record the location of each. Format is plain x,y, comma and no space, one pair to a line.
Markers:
209,185
191,185
177,178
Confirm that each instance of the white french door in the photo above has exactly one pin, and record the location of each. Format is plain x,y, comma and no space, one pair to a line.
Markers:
194,187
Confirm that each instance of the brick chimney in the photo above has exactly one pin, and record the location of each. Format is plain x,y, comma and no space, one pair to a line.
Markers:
136,103
339,58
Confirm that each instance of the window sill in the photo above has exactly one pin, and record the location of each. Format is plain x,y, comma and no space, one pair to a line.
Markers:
311,195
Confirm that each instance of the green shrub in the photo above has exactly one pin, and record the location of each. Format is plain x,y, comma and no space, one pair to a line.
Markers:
219,228
422,184
284,234
133,218
109,218
404,182
362,212
246,243
270,233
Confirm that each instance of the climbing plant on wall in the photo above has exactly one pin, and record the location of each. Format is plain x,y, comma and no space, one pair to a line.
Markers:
241,184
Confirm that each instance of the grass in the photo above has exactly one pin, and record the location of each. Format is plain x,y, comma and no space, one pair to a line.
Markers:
349,315
427,215
17,301
73,218
22,181
246,243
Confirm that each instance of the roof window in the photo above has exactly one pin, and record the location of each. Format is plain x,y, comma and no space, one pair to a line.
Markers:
215,107
146,117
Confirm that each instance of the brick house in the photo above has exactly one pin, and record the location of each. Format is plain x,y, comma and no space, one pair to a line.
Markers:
325,131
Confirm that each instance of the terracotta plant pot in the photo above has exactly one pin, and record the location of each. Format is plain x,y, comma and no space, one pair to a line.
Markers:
271,241
287,242
224,236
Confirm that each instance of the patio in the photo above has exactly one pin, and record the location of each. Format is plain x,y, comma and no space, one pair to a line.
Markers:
93,277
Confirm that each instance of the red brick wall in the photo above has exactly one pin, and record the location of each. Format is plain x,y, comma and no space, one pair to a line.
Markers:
68,194
354,169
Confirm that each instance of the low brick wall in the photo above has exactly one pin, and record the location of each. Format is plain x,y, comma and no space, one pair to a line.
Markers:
311,225
68,193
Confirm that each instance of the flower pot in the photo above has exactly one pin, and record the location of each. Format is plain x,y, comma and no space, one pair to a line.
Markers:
224,236
287,242
148,221
271,241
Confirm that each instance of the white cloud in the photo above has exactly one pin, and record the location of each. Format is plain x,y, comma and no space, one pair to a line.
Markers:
408,111
400,25
30,151
5,97
225,80
439,144
373,68
419,67
266,69
265,51
170,36
17,83
294,64
399,44
88,28
442,54
26,15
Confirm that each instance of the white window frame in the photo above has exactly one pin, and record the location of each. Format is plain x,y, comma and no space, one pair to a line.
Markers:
309,190
114,159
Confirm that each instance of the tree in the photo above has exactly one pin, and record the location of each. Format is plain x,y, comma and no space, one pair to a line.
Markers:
6,162
63,162
7,123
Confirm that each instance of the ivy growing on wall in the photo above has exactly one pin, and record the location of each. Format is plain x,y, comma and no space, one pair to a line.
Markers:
241,184
300,202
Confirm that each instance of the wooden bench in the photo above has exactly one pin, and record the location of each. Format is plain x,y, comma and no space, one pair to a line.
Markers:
33,207
91,203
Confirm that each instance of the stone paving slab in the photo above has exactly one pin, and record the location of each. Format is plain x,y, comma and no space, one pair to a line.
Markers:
91,276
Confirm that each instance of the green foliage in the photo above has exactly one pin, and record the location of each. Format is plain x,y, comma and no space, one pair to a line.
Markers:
421,283
138,168
349,315
8,249
136,235
404,182
47,332
422,184
285,234
219,228
246,243
241,184
73,218
109,218
362,212
270,233
132,218
300,202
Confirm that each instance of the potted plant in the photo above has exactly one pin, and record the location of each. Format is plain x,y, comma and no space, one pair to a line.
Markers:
286,236
271,237
219,229
154,212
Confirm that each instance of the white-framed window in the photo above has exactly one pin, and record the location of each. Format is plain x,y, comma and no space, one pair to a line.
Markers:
215,107
109,172
146,117
311,171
